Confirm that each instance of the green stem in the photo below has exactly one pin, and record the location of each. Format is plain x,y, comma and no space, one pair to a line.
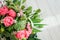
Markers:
16,18
32,24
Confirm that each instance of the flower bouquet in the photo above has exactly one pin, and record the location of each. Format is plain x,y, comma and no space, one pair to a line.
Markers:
18,22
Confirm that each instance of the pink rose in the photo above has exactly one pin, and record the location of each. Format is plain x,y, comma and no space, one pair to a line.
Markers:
3,10
24,33
29,28
20,13
8,21
27,35
21,34
12,13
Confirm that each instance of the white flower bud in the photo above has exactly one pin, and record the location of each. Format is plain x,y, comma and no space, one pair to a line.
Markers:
18,14
15,21
21,12
1,21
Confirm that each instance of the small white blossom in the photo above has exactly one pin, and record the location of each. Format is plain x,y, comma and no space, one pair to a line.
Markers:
15,21
18,14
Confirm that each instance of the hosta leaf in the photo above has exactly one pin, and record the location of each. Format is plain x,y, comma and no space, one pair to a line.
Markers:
39,25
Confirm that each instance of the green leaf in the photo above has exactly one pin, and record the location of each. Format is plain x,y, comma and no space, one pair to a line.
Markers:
17,26
20,25
17,2
36,20
12,37
37,11
10,29
35,30
2,29
23,24
23,1
39,25
28,11
6,34
14,7
33,37
23,17
22,7
24,39
36,14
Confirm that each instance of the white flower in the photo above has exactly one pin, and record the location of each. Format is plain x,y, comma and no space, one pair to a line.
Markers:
15,21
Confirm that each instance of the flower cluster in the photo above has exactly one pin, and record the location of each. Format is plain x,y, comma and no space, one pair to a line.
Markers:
24,33
18,22
10,15
8,20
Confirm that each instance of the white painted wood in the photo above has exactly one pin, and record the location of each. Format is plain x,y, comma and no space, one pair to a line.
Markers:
50,12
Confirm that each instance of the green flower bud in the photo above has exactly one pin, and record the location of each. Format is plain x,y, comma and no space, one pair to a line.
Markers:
24,39
2,29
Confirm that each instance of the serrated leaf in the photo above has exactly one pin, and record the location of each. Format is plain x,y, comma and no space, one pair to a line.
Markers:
39,25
